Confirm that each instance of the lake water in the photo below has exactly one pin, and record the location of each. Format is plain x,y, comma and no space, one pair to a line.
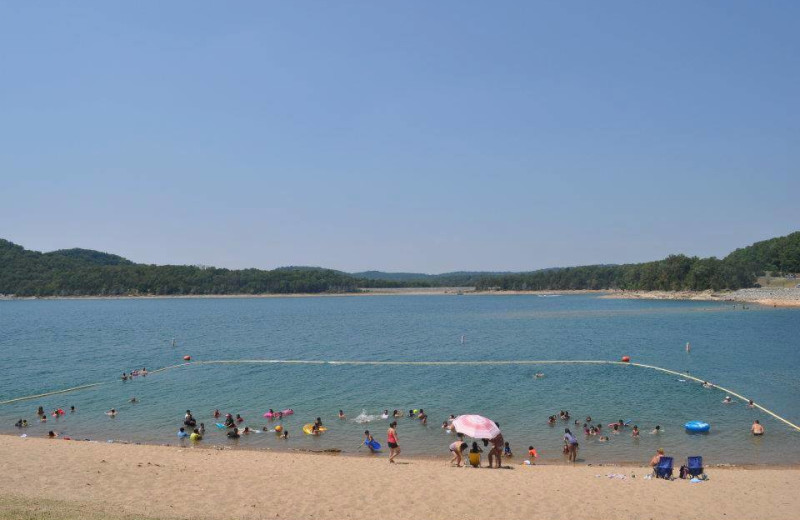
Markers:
48,345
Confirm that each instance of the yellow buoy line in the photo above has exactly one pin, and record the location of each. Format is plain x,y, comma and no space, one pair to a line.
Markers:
416,363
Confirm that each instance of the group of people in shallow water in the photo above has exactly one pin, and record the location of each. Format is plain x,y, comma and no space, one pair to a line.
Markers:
134,373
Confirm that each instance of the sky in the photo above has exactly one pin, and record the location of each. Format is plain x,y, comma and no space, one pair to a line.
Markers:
401,136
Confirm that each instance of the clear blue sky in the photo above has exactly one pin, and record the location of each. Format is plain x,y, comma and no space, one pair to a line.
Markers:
414,135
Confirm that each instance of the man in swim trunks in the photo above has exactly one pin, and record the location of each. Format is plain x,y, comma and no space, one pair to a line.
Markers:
497,449
757,428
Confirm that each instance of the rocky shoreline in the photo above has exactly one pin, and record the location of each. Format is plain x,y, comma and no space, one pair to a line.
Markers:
773,297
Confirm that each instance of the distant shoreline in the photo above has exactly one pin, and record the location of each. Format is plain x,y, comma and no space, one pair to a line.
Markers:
771,297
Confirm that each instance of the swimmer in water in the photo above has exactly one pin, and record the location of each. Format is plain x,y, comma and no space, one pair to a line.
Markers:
656,430
112,413
757,428
635,431
727,400
133,400
216,413
538,375
341,415
751,404
422,416
385,414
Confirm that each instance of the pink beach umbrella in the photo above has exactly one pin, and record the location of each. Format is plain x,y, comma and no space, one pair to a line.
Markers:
476,426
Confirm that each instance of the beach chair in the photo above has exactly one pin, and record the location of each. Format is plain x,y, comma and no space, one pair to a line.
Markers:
695,466
664,468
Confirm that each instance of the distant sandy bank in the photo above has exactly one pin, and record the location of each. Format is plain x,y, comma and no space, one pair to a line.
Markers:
772,297
113,480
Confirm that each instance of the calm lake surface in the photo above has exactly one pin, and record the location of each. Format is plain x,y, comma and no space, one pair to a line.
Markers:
48,345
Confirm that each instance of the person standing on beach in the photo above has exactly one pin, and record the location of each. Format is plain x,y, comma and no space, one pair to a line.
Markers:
572,445
391,440
497,449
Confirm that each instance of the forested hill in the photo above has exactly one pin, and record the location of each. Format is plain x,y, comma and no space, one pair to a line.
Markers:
83,272
777,255
674,273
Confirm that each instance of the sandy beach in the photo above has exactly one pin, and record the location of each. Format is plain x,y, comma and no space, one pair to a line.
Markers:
58,479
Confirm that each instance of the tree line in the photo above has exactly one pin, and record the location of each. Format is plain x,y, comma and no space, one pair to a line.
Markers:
83,272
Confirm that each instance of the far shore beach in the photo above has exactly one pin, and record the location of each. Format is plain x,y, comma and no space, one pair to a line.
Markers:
772,297
58,479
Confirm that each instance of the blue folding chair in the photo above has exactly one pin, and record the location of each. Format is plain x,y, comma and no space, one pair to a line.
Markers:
695,466
664,468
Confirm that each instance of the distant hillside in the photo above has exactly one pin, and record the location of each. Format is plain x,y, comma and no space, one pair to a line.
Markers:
81,272
676,272
90,257
777,255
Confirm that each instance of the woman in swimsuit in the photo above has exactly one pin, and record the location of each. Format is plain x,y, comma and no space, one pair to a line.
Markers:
391,440
456,448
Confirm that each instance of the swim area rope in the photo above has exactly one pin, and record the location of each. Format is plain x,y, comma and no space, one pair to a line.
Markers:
414,363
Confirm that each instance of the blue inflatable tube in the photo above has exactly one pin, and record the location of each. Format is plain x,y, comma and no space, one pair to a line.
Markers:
375,445
697,427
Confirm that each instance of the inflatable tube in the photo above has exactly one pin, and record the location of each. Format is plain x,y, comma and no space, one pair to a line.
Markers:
269,415
220,426
374,445
697,427
288,411
187,358
307,429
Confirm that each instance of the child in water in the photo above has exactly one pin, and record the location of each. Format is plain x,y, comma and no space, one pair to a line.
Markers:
368,440
532,455
507,450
